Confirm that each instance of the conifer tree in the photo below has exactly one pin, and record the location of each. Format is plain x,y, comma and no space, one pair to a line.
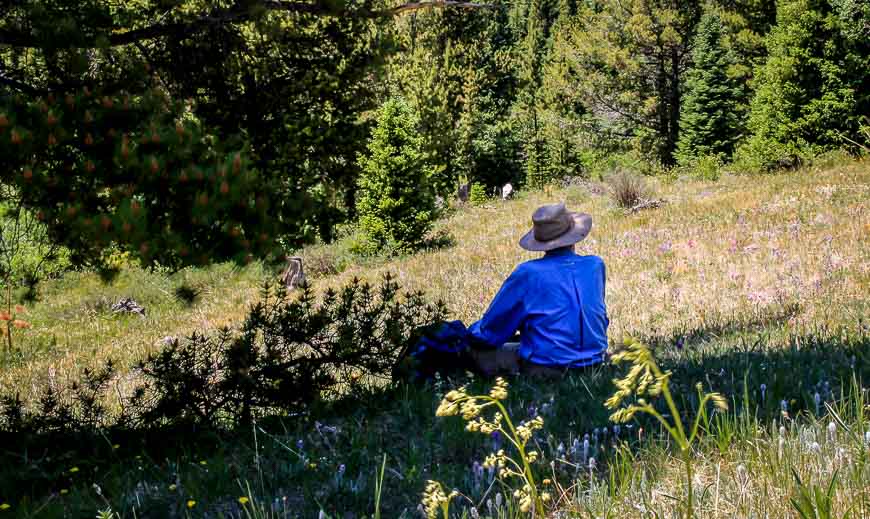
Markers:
396,202
710,121
813,88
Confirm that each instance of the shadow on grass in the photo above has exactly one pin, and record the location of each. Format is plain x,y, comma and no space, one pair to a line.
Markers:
327,457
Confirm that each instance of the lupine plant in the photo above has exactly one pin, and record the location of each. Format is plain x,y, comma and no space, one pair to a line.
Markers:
471,407
645,378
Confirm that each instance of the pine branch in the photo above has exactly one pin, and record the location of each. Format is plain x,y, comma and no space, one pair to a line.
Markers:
187,29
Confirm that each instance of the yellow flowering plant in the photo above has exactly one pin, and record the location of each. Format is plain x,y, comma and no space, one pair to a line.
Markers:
472,408
646,379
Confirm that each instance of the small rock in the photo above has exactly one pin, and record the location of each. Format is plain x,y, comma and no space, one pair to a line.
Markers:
507,191
128,305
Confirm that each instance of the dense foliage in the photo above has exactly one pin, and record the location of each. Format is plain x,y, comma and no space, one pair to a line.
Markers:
815,86
520,91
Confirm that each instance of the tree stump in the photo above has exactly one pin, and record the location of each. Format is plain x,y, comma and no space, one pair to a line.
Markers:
293,276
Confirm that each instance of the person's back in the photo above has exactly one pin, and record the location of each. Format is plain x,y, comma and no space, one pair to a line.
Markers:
556,302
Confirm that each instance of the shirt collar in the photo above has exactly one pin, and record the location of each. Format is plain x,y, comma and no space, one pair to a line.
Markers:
558,253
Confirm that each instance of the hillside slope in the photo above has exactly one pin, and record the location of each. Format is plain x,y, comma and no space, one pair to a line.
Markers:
793,249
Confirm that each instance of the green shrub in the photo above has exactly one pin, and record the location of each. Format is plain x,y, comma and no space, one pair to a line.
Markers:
706,167
477,194
289,352
396,202
28,254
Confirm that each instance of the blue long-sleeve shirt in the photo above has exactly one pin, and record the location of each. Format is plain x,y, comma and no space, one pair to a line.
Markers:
557,304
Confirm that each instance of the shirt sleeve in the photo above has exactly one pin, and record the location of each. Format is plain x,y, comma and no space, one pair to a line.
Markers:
604,294
505,315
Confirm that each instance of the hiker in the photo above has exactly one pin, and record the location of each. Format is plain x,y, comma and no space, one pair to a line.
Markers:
555,303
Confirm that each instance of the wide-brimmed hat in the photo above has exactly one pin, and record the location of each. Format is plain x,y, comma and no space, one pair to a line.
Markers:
554,227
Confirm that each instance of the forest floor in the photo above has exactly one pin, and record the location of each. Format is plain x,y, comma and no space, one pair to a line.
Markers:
757,287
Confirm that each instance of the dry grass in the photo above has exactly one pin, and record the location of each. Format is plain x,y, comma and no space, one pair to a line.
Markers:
795,245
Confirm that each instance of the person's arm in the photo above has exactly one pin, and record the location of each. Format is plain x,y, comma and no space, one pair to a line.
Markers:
604,294
505,315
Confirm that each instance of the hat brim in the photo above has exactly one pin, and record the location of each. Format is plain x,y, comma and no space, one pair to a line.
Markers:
582,226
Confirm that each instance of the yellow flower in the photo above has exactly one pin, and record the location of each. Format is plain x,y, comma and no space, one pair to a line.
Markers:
5,506
191,503
116,446
312,466
64,491
203,462
172,487
243,500
546,481
73,470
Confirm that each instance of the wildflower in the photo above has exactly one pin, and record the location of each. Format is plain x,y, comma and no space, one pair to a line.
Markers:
477,470
341,470
817,398
243,500
783,405
98,490
300,444
592,464
545,497
815,447
191,503
73,470
560,450
763,391
832,431
203,463
489,506
173,487
498,500
116,446
473,513
546,481
434,498
64,491
499,391
5,506
586,449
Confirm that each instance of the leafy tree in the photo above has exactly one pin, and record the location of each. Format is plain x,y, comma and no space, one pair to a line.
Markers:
814,86
396,201
710,115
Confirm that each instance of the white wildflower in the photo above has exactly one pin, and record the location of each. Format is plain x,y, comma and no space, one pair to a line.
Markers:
832,432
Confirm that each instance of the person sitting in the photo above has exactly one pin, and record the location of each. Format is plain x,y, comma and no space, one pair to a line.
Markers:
555,302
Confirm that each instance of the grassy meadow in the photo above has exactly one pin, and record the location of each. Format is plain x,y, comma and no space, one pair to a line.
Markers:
757,287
